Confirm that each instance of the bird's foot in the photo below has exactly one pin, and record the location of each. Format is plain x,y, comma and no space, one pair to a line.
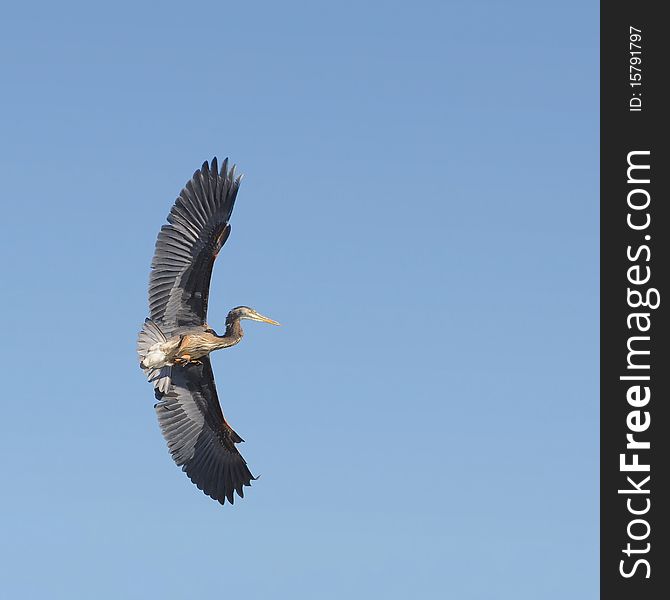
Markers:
185,359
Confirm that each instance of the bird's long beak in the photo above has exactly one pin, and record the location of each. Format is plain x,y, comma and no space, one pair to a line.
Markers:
263,319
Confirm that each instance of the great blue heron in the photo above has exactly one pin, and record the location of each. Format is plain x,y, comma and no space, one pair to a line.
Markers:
175,342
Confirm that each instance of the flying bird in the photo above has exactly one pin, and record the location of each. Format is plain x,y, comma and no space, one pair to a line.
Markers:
175,341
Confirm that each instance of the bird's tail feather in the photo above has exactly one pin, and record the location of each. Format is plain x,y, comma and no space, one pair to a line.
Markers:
149,335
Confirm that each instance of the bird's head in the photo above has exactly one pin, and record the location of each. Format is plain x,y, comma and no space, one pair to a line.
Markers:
244,312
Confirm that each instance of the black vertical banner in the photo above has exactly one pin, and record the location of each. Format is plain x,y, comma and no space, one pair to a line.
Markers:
635,296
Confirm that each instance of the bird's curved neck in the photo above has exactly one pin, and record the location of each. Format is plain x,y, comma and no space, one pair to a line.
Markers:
233,333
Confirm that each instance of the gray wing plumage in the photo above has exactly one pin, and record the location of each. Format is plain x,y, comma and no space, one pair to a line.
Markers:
188,245
200,440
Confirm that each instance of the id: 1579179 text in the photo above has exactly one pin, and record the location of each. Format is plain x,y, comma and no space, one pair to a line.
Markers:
635,68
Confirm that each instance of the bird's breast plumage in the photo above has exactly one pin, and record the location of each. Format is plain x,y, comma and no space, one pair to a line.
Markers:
198,344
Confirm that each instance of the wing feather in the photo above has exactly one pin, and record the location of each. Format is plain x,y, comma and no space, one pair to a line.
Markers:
187,246
198,437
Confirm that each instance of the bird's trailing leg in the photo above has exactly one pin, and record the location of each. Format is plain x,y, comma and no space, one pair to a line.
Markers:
186,359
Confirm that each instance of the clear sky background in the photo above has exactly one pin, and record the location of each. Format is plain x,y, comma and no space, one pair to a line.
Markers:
419,211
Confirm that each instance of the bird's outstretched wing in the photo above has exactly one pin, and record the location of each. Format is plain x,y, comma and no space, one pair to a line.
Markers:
200,440
187,246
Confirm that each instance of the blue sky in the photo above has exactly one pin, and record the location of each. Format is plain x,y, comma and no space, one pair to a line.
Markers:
419,211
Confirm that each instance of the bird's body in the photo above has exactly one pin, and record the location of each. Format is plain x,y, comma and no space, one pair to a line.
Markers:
175,342
192,344
185,348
